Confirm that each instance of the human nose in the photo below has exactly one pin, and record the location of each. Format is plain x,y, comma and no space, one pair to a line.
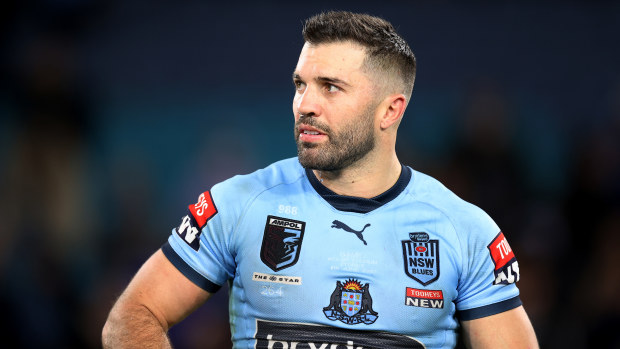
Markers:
308,102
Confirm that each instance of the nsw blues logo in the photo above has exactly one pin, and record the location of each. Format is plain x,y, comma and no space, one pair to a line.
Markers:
281,242
351,304
421,258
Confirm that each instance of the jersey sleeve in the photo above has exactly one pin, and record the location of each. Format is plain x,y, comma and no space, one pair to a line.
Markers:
200,246
490,269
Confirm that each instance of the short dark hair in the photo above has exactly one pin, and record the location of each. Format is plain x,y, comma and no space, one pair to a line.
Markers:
385,49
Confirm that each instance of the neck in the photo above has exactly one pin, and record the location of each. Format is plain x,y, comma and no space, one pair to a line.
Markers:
365,179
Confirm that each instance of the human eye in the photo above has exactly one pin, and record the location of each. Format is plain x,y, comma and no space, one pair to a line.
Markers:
332,88
299,85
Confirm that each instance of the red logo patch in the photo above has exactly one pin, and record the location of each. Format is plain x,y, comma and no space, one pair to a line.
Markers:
204,209
501,253
428,294
424,298
506,265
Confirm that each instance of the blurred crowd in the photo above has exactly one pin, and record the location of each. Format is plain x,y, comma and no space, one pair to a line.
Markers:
82,207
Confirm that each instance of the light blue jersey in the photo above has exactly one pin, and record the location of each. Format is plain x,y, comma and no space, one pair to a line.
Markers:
312,269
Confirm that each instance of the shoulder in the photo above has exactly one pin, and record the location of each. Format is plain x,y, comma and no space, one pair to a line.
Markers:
242,188
465,216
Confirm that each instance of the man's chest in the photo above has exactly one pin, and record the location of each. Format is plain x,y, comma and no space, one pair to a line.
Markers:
390,269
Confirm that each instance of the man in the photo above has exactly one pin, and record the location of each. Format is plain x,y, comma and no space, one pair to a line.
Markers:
342,247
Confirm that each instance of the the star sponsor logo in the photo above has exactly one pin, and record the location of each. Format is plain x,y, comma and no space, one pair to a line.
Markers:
279,279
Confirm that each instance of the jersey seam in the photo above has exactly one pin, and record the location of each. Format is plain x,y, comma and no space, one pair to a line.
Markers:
456,231
251,200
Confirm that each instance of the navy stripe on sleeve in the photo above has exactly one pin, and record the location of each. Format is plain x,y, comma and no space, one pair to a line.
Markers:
188,271
488,310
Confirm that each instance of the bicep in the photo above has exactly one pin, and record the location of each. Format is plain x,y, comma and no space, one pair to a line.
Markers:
161,288
510,329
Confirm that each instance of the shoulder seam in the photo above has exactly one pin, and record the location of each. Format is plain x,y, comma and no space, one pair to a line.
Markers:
251,200
456,231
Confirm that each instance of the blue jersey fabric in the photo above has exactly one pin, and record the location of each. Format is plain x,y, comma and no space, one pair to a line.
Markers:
308,268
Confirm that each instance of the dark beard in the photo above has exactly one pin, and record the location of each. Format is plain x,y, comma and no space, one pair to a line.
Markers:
341,150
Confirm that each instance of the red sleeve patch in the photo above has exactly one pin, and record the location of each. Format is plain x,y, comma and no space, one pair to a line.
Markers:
501,253
204,209
506,266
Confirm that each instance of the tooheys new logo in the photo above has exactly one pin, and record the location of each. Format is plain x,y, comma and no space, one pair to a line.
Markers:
506,266
285,335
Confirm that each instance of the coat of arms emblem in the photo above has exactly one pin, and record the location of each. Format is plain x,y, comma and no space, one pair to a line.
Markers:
351,304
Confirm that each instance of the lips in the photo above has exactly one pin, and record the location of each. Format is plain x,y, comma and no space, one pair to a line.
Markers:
308,133
307,129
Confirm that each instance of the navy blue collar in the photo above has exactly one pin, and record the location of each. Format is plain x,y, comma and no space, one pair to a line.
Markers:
356,204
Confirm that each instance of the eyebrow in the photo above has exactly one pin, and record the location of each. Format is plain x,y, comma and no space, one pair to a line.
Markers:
324,79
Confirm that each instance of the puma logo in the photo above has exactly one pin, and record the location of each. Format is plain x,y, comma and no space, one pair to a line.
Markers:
339,225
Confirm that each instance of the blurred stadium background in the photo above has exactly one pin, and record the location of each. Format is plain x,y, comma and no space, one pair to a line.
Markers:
115,115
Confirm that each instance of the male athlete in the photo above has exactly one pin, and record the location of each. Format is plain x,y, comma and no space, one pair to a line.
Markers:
343,246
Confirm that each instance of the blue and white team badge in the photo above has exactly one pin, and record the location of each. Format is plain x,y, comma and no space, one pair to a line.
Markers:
351,304
281,242
421,258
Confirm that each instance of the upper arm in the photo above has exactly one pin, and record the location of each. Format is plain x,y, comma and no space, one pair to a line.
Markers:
510,329
163,290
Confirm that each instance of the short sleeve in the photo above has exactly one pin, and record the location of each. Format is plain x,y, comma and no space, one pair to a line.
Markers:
490,269
199,246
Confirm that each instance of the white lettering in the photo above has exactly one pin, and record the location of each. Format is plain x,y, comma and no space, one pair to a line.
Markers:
424,303
190,234
283,223
276,344
508,275
504,248
184,225
412,301
271,343
435,303
288,280
511,277
201,205
287,209
350,345
500,277
515,268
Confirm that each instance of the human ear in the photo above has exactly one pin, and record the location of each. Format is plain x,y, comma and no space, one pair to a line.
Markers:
395,108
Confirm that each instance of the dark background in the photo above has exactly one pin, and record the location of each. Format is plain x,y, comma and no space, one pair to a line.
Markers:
115,115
